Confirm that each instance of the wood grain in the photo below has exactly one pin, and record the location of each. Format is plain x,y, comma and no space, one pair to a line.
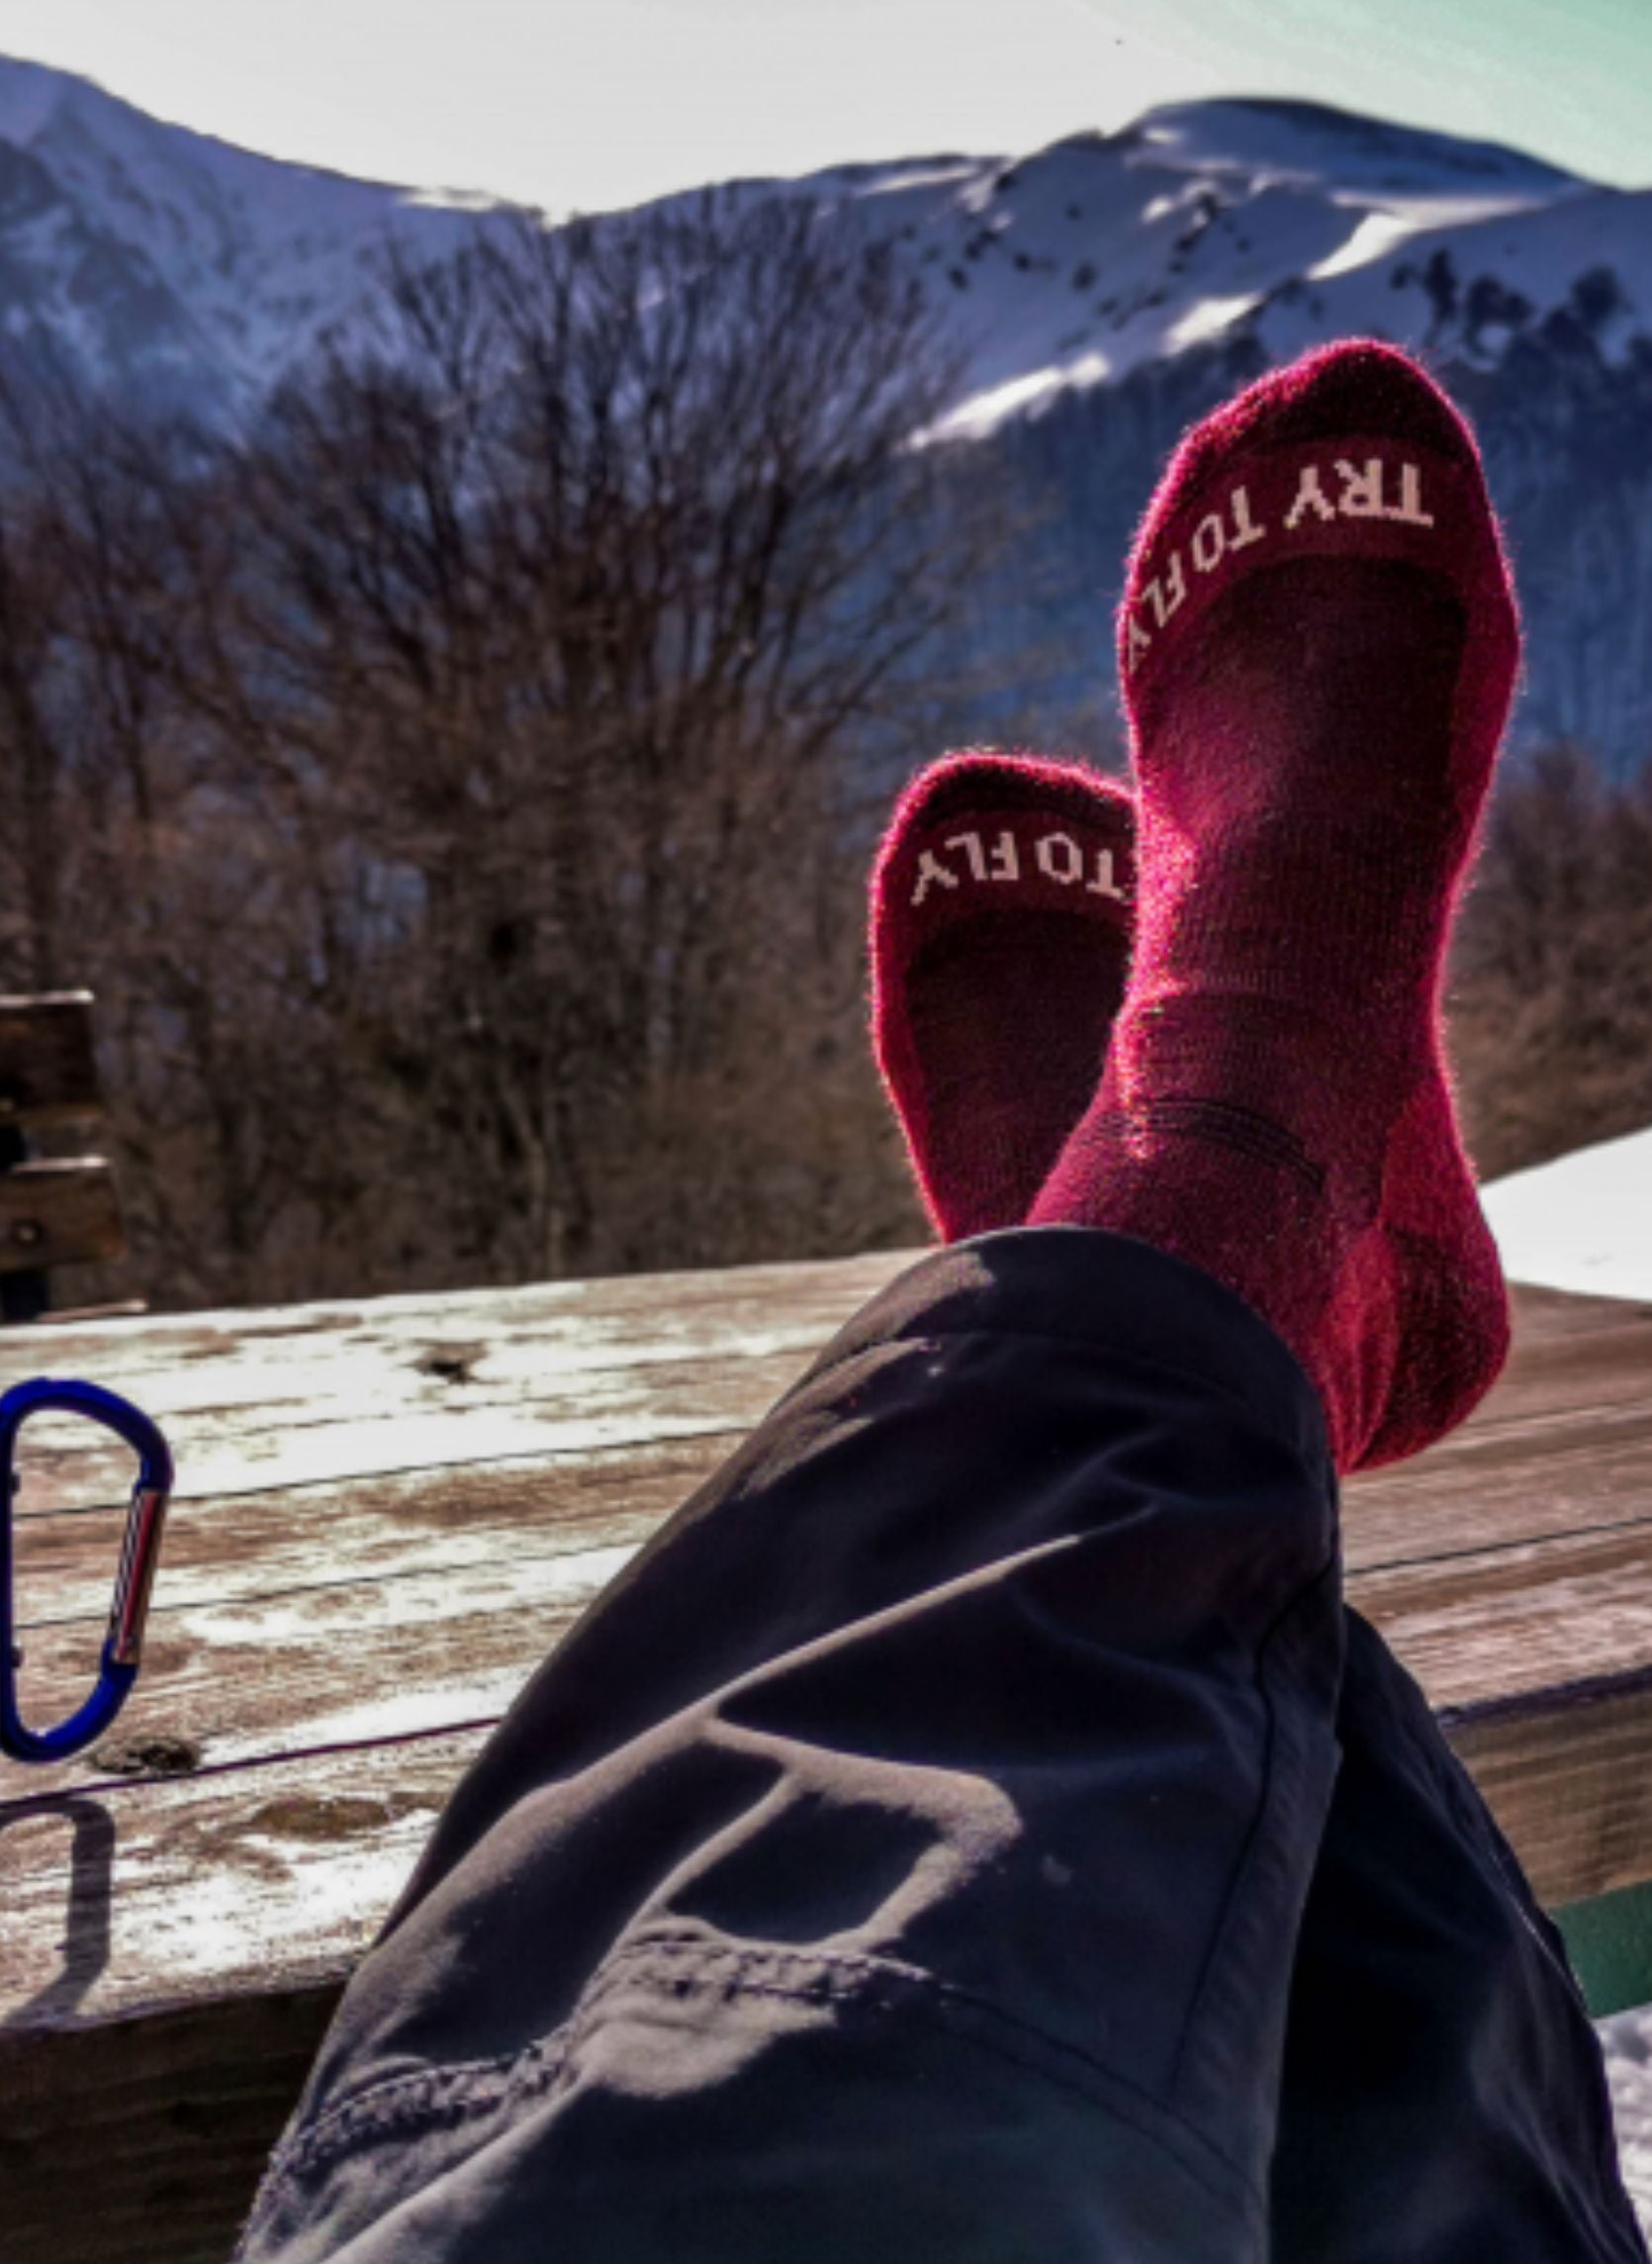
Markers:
1570,1786
143,2140
235,1547
48,1072
390,1511
329,1662
353,1392
144,1897
58,1215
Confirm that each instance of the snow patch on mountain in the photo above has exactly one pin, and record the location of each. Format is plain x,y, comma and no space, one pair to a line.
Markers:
144,249
1280,223
1098,293
130,244
1316,143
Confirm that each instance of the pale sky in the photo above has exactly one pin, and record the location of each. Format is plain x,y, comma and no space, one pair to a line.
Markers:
593,103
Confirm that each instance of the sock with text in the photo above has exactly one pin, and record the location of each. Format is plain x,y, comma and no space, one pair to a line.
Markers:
1318,643
1000,942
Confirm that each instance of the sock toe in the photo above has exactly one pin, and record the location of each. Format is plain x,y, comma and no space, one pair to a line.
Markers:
1355,385
1353,452
976,778
1000,940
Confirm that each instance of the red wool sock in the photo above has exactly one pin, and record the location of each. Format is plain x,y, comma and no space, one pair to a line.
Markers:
1317,642
1000,940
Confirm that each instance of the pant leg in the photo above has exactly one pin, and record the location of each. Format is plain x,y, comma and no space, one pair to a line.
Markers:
904,1857
1445,2100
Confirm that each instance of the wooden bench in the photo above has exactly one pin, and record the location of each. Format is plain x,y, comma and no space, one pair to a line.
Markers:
389,1511
54,1210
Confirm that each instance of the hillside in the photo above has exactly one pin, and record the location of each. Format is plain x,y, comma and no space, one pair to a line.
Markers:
1100,291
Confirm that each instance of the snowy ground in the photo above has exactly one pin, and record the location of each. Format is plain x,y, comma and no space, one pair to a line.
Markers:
1584,1223
1627,2038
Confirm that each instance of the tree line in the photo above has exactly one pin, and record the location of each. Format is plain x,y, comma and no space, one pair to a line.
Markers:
452,785
456,785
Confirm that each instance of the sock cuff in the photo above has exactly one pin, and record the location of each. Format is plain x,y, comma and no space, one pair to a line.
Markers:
1362,495
968,861
1119,1297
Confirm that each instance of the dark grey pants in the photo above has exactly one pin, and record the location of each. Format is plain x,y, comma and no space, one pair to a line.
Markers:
972,1830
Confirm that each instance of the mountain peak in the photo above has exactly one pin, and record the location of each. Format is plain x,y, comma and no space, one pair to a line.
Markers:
1319,141
1254,217
1097,292
31,94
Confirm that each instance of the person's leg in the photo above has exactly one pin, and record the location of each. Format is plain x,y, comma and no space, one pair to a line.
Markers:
1444,2094
1444,2099
905,1858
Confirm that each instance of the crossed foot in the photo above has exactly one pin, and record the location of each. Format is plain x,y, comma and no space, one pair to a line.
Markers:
1210,1019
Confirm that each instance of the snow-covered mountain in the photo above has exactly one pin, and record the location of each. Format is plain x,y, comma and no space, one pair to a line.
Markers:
173,266
1274,222
1104,289
159,255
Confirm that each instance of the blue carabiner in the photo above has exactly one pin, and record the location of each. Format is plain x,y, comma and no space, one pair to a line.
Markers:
124,1643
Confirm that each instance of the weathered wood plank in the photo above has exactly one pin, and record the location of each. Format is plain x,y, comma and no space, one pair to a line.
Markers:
1576,1375
1564,1442
1571,1788
142,2138
354,1399
399,1572
248,1359
173,2114
457,1518
49,1072
1540,1616
334,1664
236,1547
141,2141
337,1397
1502,1479
167,1983
325,1666
58,1215
125,1898
627,1406
310,1365
145,1897
287,1356
379,1525
1590,1471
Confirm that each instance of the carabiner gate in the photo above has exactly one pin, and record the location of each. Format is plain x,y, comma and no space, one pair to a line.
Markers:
139,1553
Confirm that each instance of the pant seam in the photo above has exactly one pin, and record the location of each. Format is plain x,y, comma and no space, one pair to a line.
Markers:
426,2094
1282,1779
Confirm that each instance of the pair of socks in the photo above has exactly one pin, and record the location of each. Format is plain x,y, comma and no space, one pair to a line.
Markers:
1208,1015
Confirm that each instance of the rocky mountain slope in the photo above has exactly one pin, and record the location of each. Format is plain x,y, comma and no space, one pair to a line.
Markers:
1102,291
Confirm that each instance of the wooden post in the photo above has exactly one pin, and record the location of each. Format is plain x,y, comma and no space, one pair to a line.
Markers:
24,1295
52,1212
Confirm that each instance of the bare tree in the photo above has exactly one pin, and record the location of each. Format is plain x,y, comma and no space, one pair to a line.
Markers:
458,791
577,595
457,787
1552,984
